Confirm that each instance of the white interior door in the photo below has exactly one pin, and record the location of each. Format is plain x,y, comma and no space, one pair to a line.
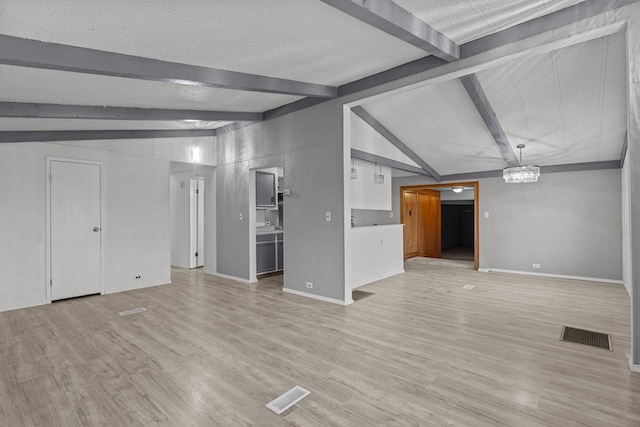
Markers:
196,258
75,229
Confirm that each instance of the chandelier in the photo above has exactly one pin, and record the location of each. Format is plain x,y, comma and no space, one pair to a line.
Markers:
521,174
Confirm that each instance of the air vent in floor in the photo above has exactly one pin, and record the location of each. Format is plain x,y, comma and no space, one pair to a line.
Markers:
132,311
287,400
581,336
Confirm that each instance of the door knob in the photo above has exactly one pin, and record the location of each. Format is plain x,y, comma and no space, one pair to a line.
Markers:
96,229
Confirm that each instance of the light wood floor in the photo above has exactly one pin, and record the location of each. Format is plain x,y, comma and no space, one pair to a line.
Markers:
421,351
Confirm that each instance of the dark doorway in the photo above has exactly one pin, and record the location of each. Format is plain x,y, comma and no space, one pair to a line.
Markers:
457,230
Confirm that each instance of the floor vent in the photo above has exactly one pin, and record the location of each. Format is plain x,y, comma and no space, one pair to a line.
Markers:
358,295
581,336
468,286
287,400
132,311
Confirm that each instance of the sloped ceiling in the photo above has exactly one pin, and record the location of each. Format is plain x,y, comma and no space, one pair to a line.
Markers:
568,106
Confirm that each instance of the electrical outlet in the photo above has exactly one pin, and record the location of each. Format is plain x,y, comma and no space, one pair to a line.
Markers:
391,214
137,277
309,285
327,216
536,265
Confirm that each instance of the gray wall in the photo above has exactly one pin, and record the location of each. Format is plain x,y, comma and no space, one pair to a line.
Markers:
308,145
572,221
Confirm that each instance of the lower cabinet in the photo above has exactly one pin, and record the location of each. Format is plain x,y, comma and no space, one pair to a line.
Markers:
269,253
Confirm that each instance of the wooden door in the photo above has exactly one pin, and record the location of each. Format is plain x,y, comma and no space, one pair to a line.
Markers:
429,224
410,220
75,229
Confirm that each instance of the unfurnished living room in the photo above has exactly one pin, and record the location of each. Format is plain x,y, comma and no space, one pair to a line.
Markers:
320,212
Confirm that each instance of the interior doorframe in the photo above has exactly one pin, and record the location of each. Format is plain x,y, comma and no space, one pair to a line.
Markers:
476,211
47,233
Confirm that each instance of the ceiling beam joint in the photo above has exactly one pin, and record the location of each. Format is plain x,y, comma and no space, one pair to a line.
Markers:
389,136
387,16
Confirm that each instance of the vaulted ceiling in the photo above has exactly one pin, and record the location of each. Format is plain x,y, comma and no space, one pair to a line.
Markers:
182,67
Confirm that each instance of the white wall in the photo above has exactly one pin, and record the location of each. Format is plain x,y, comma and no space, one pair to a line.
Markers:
626,229
135,232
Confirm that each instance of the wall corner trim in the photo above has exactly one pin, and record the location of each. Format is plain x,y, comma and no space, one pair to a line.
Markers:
633,367
317,297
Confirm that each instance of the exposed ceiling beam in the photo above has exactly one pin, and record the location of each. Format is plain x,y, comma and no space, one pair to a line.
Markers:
387,16
625,146
53,56
373,158
55,111
561,18
389,136
87,135
480,101
569,167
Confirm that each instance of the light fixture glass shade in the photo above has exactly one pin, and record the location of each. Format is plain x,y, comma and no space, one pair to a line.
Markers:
457,189
521,174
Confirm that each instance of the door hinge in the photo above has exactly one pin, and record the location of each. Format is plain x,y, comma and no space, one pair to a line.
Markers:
197,191
49,179
196,254
50,282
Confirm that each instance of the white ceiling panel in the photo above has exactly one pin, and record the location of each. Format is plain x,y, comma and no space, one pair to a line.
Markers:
441,125
466,20
20,84
303,40
567,106
20,124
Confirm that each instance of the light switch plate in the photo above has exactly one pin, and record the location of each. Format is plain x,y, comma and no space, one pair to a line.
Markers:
327,216
240,216
486,214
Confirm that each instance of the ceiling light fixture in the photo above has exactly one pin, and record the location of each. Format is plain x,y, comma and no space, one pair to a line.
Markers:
457,189
521,174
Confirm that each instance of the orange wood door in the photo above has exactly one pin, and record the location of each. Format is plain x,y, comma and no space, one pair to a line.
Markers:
429,224
410,220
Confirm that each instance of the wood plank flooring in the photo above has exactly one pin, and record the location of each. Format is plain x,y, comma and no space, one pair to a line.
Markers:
422,351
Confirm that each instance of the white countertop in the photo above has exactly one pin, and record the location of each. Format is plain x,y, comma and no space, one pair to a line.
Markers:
260,232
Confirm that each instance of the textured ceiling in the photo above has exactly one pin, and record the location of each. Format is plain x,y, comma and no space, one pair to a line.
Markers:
568,105
294,39
466,20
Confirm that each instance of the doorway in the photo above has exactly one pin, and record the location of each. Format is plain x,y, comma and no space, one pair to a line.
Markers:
421,212
74,219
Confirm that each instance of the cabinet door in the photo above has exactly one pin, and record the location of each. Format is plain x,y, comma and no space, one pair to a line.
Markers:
265,190
265,257
280,247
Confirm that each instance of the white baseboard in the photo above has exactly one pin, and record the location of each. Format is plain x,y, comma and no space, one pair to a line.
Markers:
318,297
633,367
18,307
558,276
234,278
